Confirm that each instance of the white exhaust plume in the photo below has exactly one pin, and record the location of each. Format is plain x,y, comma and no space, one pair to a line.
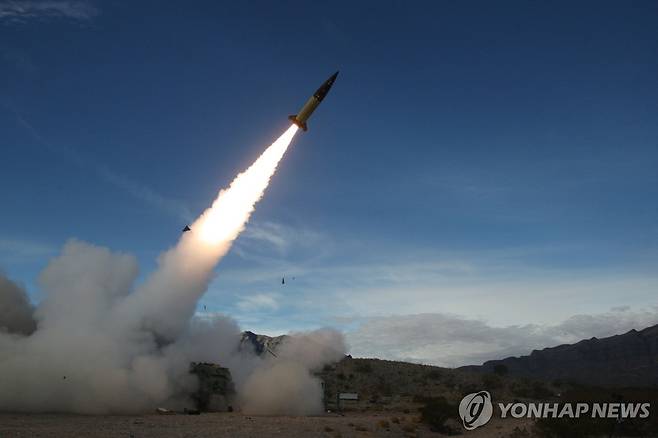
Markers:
101,347
167,300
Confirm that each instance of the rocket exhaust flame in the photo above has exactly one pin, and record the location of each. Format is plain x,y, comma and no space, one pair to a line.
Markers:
230,212
185,270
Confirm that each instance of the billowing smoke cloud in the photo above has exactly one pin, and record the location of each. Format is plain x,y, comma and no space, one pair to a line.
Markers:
285,384
16,312
97,344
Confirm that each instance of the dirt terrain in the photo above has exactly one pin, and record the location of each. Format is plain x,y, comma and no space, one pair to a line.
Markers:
389,424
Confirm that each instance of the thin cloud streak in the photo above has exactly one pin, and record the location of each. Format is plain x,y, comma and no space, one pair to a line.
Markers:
258,302
172,207
20,11
24,249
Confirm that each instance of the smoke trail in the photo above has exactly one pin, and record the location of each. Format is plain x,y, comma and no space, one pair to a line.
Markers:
168,299
100,348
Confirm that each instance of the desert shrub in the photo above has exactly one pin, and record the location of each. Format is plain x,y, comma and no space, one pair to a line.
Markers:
608,427
433,375
363,367
500,369
395,420
384,387
469,387
519,390
540,391
592,427
436,412
384,424
519,433
492,381
570,428
361,428
340,376
328,429
529,389
409,428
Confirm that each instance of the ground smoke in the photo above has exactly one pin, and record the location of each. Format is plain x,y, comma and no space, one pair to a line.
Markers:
95,344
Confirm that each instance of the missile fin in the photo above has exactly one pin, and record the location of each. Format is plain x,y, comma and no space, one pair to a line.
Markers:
293,118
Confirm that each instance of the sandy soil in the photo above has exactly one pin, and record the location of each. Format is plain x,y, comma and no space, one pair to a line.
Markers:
229,425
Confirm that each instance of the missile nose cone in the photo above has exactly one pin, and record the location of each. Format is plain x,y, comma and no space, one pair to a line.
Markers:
332,79
325,87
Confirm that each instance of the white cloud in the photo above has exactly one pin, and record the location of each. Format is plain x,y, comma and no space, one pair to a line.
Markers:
22,10
24,249
259,236
267,302
453,340
269,233
502,287
173,207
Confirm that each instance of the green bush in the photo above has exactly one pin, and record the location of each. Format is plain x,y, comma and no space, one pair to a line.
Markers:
582,427
492,381
530,389
519,433
363,367
436,412
500,369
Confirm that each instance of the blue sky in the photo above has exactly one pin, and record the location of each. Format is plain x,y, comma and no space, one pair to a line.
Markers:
476,162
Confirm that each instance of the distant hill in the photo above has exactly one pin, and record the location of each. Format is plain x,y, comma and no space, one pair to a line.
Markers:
390,385
261,343
630,359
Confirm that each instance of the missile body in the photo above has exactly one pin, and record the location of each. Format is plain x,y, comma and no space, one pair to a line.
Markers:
311,104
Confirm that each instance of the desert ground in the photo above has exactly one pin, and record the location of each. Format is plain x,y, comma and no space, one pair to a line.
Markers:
388,424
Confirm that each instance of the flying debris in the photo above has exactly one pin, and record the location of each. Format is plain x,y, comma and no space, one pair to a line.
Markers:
283,280
186,229
311,104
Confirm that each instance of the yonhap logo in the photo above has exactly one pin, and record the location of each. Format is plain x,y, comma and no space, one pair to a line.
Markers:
475,409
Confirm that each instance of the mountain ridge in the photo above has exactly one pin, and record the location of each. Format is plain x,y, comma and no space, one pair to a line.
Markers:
627,359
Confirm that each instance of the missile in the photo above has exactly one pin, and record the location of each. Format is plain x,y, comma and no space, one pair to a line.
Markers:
300,118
